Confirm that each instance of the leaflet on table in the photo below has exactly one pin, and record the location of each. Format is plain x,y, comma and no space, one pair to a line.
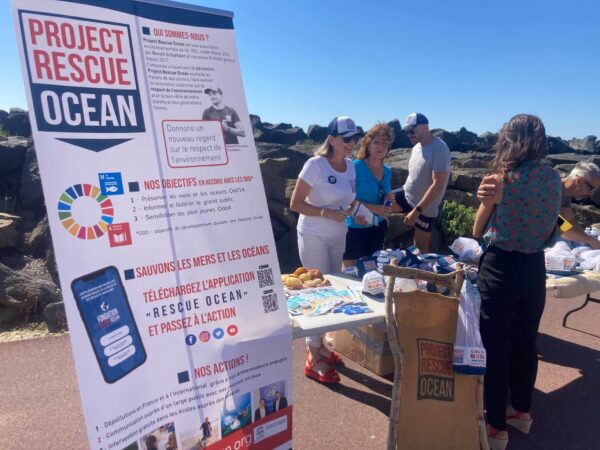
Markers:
159,222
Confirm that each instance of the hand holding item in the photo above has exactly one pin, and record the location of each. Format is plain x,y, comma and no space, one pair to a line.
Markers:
381,210
224,125
332,214
490,190
411,218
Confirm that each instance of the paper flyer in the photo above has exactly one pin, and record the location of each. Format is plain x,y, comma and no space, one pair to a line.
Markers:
160,224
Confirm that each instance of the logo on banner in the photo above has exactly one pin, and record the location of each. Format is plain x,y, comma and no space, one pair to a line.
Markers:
436,375
82,77
85,212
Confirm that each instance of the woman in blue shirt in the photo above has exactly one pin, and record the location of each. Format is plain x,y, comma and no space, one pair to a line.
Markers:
373,182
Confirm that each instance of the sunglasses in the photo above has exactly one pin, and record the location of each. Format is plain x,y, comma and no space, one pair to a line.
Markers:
349,139
590,187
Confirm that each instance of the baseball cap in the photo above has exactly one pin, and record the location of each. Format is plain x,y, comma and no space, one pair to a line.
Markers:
343,126
211,89
413,120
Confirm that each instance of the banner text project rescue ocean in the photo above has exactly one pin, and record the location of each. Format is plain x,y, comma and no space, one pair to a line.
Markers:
82,74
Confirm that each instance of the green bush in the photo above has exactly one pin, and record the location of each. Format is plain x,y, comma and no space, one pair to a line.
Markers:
455,221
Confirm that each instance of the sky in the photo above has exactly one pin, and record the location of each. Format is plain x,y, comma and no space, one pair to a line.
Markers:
470,64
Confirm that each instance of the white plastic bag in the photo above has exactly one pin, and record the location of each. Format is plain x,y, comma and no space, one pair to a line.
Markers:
467,249
469,354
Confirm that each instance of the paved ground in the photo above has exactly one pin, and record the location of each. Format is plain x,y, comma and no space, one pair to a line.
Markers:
40,407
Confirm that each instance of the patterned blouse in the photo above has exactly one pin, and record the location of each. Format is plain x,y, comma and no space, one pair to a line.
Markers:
525,219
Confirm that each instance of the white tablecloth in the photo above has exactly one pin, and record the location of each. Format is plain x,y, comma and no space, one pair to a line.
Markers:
573,285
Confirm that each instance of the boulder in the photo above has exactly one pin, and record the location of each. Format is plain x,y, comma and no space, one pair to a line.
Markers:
287,252
488,139
27,289
401,140
17,123
3,116
55,316
317,133
276,171
30,192
37,241
464,198
467,180
288,136
557,145
9,234
12,154
467,140
587,144
450,139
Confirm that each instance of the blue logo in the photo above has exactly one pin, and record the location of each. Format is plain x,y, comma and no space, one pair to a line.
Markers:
190,339
111,183
218,333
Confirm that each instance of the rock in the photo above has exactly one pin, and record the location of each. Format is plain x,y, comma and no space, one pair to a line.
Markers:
588,144
28,289
9,235
55,316
317,133
31,193
450,139
471,160
276,171
401,140
3,116
488,139
281,213
467,140
12,155
571,158
464,198
288,136
17,123
557,146
467,180
37,241
287,252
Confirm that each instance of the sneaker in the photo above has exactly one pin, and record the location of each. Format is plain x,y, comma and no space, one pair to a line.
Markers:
520,420
497,439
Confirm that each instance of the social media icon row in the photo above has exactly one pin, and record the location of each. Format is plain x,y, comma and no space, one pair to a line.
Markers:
205,336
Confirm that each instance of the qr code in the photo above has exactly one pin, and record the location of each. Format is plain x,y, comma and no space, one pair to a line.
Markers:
270,302
265,276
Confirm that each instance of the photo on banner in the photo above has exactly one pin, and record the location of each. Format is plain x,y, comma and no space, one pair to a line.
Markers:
159,222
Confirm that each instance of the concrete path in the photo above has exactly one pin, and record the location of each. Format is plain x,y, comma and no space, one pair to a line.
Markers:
40,407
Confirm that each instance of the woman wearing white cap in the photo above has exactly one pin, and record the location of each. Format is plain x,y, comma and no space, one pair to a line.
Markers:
324,191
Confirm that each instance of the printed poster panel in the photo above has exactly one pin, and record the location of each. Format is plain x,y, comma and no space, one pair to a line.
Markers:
160,224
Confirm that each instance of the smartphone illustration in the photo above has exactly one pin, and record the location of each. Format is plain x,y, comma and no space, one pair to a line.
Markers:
109,322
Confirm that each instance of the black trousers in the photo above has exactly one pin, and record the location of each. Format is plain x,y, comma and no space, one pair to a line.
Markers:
513,295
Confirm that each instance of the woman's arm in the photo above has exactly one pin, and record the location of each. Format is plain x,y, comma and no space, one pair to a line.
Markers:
489,194
299,204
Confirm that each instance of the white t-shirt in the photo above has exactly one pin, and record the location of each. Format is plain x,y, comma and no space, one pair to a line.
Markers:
331,190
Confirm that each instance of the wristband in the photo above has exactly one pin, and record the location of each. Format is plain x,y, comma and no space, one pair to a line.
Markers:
322,212
419,209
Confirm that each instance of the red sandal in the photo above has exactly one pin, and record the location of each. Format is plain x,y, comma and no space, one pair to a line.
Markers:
329,377
334,359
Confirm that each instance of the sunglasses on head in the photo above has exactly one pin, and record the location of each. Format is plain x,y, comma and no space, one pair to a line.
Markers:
349,139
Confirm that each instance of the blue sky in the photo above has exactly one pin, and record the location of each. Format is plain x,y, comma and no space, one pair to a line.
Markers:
466,63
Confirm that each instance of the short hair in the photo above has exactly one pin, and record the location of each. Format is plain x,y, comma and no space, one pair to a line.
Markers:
586,170
379,129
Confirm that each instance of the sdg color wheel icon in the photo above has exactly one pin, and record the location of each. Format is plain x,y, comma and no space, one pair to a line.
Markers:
85,202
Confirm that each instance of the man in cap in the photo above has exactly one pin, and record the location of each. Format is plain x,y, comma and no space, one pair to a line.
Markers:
230,121
428,174
581,183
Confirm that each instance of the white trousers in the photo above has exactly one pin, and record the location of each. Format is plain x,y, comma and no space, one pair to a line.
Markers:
325,254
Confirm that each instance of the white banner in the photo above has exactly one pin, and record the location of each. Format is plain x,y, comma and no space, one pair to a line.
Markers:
160,224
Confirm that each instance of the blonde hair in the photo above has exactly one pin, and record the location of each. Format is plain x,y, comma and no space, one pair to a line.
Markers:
522,139
326,149
379,129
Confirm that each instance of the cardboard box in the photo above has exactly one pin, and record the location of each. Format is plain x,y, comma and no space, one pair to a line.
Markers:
368,346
